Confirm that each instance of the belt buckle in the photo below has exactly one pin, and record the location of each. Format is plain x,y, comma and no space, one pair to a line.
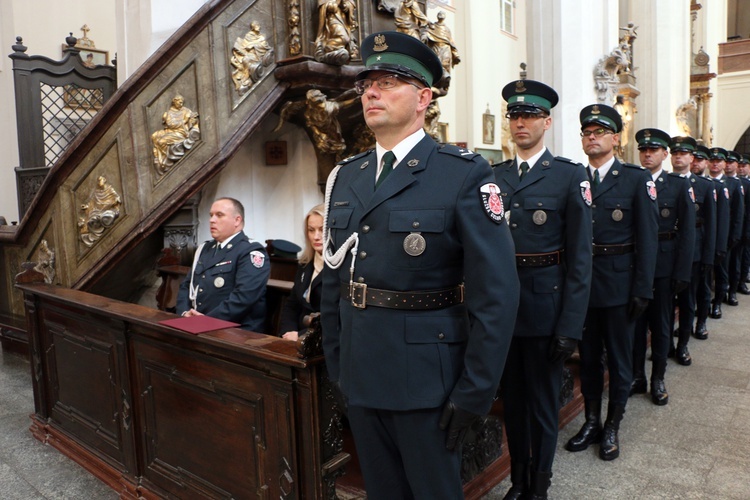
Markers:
359,295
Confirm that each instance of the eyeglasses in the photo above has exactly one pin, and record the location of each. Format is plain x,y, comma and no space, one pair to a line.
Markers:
385,82
524,116
597,132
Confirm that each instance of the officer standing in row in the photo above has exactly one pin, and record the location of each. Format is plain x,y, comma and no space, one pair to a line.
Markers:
735,204
743,170
229,275
420,290
625,248
548,199
674,263
735,254
683,153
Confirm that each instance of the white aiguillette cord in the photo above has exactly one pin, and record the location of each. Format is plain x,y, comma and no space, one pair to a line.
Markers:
194,289
334,260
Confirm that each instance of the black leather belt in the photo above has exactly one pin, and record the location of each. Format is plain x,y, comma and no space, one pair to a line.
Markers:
362,296
539,259
669,235
614,249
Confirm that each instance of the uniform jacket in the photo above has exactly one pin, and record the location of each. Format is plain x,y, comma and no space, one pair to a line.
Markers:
296,307
736,208
231,283
402,360
676,217
722,216
746,200
549,211
624,195
705,217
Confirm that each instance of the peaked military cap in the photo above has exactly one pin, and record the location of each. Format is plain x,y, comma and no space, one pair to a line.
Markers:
652,138
684,144
529,96
284,248
603,115
717,154
732,155
702,152
745,159
401,54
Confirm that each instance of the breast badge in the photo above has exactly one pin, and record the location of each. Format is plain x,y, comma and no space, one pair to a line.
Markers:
665,212
219,282
617,215
414,244
539,217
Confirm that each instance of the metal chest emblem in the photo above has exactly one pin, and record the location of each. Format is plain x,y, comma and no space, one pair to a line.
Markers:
617,215
539,217
219,282
364,165
665,212
413,162
414,244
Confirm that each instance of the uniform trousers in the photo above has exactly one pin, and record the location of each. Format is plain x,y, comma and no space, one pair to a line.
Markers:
531,402
745,265
721,278
659,318
609,327
735,260
703,296
402,454
687,299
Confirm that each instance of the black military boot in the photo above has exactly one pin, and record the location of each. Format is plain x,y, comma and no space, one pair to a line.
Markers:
540,482
639,384
743,289
591,431
609,448
701,332
731,299
658,391
683,355
519,479
716,309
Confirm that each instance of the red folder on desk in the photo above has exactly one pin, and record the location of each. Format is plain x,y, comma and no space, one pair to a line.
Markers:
198,324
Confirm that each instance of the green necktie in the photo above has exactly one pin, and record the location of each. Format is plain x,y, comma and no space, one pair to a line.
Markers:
597,181
524,168
388,159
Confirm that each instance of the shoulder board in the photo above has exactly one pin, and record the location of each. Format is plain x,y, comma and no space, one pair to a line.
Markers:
566,160
352,158
504,164
255,245
452,149
630,165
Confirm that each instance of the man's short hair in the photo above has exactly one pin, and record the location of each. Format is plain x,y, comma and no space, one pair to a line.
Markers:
238,207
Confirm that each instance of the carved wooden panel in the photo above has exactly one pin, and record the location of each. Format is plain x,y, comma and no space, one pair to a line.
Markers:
212,429
86,383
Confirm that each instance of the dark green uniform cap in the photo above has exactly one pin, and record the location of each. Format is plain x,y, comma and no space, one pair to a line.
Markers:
717,154
745,159
284,248
401,54
702,152
603,115
683,143
652,138
529,96
732,155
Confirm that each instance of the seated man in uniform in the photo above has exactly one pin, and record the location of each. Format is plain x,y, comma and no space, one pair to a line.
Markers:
229,275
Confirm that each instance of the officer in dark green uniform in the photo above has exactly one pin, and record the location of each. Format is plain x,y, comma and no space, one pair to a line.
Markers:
674,263
683,151
733,218
549,201
734,259
625,248
743,170
420,290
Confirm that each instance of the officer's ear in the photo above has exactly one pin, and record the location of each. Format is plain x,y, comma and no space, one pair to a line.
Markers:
616,139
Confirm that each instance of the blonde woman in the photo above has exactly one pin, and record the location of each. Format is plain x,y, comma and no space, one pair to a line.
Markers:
305,295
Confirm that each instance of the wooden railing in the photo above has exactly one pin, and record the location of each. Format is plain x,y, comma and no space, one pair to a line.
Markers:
734,56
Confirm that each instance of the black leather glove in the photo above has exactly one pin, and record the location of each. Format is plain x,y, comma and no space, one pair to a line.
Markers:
457,421
636,307
678,286
561,348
